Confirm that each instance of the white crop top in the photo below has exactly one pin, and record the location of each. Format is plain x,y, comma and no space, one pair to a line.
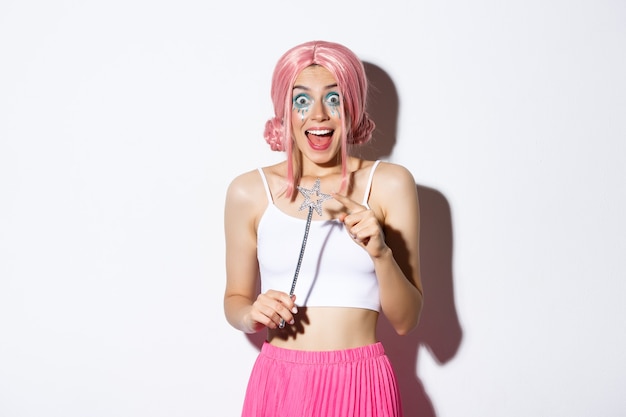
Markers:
335,271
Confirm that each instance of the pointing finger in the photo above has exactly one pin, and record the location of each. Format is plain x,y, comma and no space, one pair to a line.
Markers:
348,203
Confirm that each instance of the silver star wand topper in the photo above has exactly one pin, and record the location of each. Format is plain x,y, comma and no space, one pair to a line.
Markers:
307,193
312,205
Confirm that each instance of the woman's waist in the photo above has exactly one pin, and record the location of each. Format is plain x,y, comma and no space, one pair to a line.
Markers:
327,328
324,357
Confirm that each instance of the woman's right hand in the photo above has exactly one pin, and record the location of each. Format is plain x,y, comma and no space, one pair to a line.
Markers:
269,309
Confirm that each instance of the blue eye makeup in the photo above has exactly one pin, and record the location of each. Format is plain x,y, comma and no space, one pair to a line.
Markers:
302,101
333,99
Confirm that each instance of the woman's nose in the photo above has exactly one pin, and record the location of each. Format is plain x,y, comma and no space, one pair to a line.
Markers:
319,111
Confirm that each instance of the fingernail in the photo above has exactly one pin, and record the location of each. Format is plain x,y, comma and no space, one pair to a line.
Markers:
292,322
294,310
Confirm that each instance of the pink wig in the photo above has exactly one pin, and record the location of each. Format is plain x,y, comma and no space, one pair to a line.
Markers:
348,70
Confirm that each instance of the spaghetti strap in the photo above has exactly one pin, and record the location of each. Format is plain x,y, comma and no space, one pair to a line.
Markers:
266,186
366,195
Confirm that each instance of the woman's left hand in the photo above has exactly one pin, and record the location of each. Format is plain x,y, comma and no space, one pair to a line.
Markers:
362,225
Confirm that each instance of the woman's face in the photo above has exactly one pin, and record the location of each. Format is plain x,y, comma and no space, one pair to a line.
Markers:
315,115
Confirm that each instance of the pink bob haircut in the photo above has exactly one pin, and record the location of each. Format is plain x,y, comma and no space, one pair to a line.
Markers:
348,70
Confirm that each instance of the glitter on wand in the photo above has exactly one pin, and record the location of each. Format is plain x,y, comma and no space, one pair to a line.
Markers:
311,205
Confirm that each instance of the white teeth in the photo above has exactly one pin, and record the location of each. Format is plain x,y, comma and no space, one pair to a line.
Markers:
319,132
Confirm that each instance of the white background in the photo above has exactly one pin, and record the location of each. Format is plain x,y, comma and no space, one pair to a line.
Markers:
122,123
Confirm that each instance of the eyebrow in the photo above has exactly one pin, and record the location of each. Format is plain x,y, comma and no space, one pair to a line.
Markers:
302,87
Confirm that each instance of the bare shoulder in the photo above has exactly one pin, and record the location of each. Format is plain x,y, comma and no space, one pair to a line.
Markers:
391,178
393,188
246,189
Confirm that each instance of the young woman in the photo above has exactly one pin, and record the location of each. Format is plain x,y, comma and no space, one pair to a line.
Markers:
334,241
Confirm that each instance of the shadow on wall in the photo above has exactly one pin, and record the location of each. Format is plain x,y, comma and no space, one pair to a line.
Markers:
439,329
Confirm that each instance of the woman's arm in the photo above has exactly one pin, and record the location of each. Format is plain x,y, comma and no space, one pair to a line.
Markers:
244,310
392,241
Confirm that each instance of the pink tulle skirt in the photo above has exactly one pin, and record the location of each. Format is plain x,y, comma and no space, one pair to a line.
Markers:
356,382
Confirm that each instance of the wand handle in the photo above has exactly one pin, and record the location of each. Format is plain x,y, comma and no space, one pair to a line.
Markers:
295,275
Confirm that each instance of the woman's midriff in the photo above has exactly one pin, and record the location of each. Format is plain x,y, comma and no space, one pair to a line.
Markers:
327,328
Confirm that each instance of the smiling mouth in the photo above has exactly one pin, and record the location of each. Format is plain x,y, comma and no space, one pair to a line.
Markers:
320,138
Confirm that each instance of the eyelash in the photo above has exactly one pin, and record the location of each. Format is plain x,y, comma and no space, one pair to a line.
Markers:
308,101
300,106
331,96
